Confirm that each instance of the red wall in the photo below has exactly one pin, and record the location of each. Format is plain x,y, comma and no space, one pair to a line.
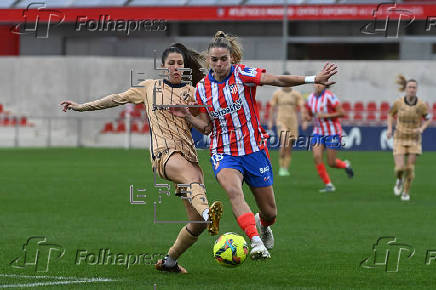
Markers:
10,42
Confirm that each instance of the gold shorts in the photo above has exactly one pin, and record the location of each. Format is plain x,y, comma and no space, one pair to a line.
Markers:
287,133
161,158
407,149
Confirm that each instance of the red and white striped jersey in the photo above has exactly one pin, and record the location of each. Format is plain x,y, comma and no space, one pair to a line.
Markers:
232,108
326,102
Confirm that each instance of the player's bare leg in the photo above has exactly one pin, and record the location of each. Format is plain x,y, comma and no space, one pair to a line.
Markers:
266,216
231,181
409,175
318,151
285,158
181,171
399,173
188,235
334,162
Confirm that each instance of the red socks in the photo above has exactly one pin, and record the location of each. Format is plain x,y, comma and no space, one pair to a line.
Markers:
267,224
323,173
340,164
248,224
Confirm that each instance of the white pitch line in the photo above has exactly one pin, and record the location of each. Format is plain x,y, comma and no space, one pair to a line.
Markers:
28,285
50,277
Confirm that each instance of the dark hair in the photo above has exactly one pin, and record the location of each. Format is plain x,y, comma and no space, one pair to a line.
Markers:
402,82
286,73
223,40
191,58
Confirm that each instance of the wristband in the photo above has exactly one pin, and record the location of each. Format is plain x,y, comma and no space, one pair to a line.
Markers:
309,80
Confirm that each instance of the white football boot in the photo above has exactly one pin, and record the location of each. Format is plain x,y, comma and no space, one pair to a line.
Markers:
398,188
259,251
266,234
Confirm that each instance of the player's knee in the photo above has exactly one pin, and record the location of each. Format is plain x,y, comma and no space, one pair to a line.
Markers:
331,163
234,192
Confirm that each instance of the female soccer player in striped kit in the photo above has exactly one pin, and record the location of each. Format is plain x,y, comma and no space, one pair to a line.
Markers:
325,109
410,113
172,149
238,150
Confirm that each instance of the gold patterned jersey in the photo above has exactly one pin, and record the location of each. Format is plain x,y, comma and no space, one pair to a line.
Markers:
409,118
286,103
168,132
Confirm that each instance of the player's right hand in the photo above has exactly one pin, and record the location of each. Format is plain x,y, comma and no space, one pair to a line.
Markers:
69,105
323,76
389,134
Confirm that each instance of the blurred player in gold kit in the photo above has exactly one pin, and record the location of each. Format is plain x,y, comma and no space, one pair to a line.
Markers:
409,112
285,101
172,151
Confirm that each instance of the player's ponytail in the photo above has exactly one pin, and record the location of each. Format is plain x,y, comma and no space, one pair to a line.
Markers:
191,58
223,40
402,82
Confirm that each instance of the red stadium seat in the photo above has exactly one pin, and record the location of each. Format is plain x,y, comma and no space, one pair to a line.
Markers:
145,128
347,109
434,107
371,109
384,109
358,109
23,122
267,109
1,108
6,121
108,128
135,114
134,128
139,107
121,127
123,114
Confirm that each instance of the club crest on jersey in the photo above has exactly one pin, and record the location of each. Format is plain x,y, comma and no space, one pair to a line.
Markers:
233,89
224,111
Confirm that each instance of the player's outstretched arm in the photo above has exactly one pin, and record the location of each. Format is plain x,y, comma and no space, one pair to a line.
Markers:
133,95
322,77
104,103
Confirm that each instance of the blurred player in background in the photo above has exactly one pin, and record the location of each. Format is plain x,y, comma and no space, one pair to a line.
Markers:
237,141
324,108
172,151
409,111
286,101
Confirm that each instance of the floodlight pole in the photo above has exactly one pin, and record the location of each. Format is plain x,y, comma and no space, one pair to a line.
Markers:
285,34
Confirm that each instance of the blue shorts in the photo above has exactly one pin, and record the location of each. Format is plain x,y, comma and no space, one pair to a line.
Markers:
329,141
255,167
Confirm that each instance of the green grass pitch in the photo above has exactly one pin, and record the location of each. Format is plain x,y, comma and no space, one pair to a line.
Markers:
79,200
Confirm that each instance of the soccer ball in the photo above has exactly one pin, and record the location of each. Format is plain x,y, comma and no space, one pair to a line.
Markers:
230,250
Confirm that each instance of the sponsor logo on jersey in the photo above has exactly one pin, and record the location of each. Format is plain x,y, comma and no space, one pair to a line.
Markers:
230,109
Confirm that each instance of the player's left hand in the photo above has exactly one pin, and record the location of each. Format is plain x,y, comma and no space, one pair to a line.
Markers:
323,76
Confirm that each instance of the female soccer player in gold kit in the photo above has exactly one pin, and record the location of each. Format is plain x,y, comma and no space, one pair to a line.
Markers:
172,149
409,111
